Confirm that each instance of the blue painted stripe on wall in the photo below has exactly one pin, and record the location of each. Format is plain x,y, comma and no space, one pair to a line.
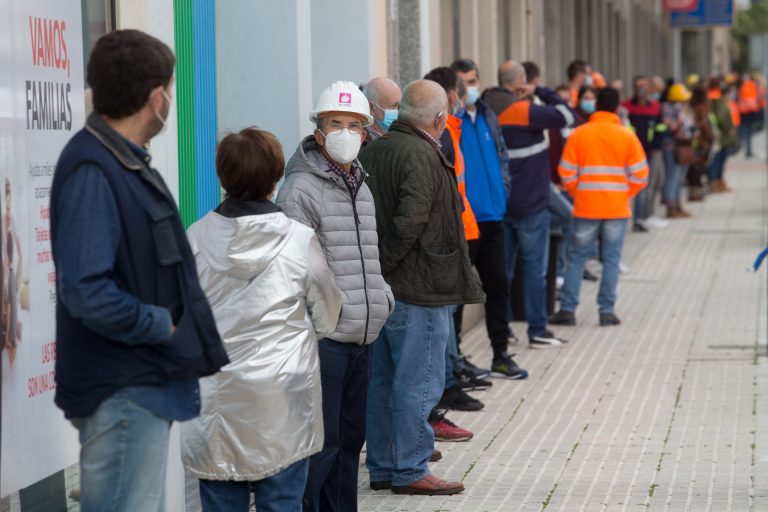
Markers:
208,192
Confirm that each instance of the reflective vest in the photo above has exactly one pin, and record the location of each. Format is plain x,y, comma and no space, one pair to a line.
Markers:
715,94
603,167
471,231
733,106
748,99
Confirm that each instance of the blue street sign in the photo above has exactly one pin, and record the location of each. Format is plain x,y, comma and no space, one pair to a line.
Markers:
708,13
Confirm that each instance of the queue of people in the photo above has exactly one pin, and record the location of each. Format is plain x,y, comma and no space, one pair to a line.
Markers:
289,328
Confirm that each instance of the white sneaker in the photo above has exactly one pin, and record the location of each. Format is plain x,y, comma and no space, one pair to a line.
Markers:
559,282
624,269
655,222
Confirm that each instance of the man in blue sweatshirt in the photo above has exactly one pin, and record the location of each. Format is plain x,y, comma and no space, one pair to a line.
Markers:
487,182
524,124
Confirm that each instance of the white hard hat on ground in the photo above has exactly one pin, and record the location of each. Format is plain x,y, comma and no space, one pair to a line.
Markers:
343,97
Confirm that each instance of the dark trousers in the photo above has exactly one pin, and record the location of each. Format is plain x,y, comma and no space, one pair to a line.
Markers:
488,255
344,373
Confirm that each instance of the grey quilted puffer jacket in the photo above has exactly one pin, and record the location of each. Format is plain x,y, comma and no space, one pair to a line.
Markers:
346,227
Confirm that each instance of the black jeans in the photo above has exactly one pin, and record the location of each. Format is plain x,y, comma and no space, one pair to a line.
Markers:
344,374
488,255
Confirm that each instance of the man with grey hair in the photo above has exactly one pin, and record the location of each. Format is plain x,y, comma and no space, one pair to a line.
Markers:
425,260
384,99
524,125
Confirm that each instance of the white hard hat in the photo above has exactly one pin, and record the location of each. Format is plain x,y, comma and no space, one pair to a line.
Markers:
342,97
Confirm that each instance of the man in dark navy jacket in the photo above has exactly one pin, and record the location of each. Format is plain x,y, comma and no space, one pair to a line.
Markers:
133,328
526,222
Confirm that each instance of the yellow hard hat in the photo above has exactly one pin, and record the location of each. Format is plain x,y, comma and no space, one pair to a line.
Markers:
692,80
678,92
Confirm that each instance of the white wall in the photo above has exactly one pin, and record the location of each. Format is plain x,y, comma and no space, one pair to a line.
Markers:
156,17
264,68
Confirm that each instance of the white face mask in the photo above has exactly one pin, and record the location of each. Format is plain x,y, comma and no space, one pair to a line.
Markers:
342,145
164,126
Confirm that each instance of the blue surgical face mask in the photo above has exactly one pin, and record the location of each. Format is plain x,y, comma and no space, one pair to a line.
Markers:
656,96
587,106
458,109
473,94
390,115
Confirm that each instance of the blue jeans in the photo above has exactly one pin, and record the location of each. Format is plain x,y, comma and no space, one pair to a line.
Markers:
745,134
585,233
675,176
344,374
407,381
451,353
717,166
530,237
561,216
278,493
123,457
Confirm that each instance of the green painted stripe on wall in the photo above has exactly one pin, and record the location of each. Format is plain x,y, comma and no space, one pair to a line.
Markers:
185,101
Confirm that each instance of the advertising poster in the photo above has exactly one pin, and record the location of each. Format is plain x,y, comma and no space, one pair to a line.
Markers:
41,107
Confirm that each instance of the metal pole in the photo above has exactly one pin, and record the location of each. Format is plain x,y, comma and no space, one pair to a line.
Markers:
677,57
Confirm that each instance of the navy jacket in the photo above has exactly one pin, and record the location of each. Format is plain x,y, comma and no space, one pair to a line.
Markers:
524,125
153,269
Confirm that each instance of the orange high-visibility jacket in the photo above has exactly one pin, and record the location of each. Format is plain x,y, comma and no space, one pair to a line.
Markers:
603,167
471,231
748,100
735,114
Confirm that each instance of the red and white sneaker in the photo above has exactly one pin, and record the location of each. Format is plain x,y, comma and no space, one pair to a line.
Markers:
446,430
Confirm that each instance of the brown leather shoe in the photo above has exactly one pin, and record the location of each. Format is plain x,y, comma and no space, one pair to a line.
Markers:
437,455
430,485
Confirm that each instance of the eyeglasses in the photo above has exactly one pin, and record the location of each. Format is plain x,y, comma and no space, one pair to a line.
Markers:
354,126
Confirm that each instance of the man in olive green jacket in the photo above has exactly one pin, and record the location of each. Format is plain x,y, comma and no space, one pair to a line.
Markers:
728,137
425,260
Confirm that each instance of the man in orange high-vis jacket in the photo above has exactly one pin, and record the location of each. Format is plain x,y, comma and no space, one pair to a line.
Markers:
603,167
453,127
749,108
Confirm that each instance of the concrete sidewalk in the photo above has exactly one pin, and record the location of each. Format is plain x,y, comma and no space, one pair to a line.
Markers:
668,411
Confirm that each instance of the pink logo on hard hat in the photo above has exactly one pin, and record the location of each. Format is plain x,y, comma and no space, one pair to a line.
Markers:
345,98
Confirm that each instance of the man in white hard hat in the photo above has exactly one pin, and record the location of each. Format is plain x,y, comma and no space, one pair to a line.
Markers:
325,189
384,100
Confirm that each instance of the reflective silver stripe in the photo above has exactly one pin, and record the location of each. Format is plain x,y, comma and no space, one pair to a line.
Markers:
565,164
639,181
528,151
567,114
638,166
460,178
602,169
568,179
597,185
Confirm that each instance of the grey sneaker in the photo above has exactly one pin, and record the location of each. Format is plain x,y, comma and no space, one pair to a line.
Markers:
546,340
608,319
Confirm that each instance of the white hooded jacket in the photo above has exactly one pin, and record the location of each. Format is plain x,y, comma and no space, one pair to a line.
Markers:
272,295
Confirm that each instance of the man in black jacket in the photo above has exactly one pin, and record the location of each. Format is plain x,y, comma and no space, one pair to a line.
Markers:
425,260
134,331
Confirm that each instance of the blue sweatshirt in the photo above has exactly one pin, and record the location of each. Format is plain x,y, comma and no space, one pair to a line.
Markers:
485,161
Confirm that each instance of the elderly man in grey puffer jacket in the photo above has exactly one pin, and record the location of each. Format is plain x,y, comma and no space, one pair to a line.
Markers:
325,189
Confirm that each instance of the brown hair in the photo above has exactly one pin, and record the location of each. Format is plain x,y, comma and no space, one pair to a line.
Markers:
123,69
249,164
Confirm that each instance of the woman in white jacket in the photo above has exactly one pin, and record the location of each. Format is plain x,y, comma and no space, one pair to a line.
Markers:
272,295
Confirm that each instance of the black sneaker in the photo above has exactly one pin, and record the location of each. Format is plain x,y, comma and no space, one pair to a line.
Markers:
563,318
467,380
589,276
456,399
546,340
480,373
505,366
608,319
639,228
